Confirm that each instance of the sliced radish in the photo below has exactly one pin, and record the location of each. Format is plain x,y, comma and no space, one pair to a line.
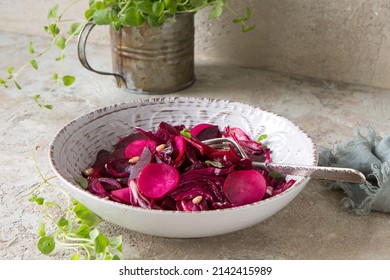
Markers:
157,179
136,147
244,187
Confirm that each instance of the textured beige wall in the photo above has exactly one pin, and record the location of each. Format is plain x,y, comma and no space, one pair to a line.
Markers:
340,40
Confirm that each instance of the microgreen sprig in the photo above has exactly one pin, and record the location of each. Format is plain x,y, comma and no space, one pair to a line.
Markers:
71,226
59,40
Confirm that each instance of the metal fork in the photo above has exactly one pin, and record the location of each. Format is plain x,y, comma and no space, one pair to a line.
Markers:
317,172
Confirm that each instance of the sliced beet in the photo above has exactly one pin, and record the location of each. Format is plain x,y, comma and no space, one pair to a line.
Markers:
124,141
168,203
118,168
150,135
136,147
101,158
180,147
205,131
157,180
109,183
120,147
121,195
98,169
186,168
199,128
244,187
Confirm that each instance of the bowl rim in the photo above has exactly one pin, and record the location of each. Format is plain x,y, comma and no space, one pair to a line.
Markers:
69,184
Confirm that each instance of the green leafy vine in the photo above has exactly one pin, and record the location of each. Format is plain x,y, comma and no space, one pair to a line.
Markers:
70,226
115,13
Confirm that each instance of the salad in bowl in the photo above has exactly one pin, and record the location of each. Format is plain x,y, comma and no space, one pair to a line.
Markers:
145,165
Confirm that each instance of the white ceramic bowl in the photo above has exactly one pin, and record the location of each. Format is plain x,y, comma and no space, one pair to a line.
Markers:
75,146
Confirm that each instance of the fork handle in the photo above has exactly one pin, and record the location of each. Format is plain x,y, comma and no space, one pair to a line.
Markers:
316,172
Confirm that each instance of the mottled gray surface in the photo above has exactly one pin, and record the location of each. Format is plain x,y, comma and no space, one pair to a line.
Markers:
314,226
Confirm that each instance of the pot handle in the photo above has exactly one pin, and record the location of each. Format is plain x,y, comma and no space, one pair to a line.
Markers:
81,45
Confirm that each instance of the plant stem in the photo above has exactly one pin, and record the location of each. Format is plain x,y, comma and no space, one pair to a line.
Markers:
231,10
123,10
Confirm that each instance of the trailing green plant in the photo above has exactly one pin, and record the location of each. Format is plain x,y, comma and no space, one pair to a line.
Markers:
118,14
70,226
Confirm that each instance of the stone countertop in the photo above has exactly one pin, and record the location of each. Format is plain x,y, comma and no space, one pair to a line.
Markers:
313,226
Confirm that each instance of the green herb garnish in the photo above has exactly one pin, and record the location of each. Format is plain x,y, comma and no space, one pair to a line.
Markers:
71,226
186,133
262,137
216,164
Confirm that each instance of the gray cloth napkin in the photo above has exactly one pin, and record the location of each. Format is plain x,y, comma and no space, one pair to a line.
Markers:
371,155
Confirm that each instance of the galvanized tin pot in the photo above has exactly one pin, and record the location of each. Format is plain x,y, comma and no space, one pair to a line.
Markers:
149,60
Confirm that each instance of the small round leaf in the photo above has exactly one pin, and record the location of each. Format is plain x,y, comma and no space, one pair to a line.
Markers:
46,244
68,80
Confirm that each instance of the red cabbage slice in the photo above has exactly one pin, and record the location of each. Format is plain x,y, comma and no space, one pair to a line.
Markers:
185,174
97,188
109,183
151,136
180,149
136,198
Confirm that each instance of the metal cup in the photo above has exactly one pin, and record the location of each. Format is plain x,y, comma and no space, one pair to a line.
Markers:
149,60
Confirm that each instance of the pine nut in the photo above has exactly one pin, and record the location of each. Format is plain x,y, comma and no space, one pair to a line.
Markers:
89,171
134,159
160,147
197,199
